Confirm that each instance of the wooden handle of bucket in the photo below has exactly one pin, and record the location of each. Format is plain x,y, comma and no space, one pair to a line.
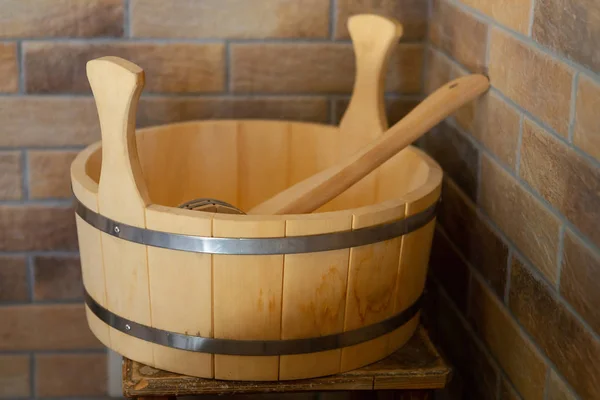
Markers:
373,39
310,194
117,85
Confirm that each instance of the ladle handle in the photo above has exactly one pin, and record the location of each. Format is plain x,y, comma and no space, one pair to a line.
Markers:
308,195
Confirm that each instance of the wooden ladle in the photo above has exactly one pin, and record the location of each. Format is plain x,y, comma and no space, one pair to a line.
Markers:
311,193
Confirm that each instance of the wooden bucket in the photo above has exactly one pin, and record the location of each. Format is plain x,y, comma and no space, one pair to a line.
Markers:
251,297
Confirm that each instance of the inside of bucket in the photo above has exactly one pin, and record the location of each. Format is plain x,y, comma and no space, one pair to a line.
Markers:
247,162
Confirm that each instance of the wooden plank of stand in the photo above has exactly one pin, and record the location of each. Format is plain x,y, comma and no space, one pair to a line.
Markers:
314,296
247,290
187,274
416,366
371,284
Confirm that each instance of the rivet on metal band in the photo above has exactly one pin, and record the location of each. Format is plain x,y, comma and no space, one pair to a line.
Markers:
258,246
252,347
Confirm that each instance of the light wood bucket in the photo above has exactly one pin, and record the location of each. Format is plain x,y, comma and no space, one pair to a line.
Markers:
251,297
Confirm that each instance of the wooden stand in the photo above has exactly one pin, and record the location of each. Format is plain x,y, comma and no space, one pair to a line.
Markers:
413,372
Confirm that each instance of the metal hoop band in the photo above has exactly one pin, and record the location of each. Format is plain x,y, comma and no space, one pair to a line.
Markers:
252,347
258,246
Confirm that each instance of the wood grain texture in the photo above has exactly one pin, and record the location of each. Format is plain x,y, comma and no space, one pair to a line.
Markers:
90,244
372,279
180,285
314,295
247,290
122,196
417,365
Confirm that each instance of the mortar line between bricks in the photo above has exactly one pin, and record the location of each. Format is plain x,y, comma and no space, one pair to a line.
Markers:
332,19
24,174
519,144
525,39
33,377
53,352
50,302
573,110
529,115
476,275
508,276
528,189
21,66
38,202
127,19
40,253
559,256
332,110
531,19
30,278
546,384
228,67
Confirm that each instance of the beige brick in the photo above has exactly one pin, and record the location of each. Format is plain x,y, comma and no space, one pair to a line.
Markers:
507,392
37,227
579,279
458,34
586,134
439,70
172,67
493,123
412,14
11,177
557,388
532,79
230,19
13,279
162,110
515,353
477,242
9,71
561,176
45,327
71,375
49,174
315,68
14,376
450,270
571,28
573,349
57,278
532,228
515,14
43,121
469,360
60,18
456,155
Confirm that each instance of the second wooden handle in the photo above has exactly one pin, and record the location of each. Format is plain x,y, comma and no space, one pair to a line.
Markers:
313,192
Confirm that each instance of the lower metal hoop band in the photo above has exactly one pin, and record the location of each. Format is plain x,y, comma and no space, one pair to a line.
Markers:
252,347
258,246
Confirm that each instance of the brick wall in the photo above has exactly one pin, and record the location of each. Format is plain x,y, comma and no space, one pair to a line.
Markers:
514,298
287,59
